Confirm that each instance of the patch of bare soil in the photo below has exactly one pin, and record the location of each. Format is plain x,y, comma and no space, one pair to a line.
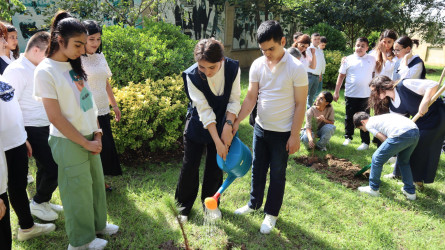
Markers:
137,157
337,169
169,245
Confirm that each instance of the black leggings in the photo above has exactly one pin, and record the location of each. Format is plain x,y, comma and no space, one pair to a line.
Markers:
5,225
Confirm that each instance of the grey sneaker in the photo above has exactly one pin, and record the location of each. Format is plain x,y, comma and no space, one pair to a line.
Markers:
34,231
368,190
244,210
43,211
409,196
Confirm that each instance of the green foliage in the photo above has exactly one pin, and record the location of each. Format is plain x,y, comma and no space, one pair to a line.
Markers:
9,8
155,51
153,115
373,38
336,39
333,61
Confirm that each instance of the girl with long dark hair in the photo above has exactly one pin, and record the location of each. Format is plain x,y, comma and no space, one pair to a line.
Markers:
384,55
9,50
75,138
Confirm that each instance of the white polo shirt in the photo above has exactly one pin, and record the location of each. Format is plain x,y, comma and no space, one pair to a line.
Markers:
3,170
391,125
20,75
276,103
358,72
319,56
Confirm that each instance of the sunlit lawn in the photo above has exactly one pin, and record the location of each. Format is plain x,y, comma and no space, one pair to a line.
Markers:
316,214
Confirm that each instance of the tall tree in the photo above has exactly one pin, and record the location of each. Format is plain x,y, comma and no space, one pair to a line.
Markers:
9,7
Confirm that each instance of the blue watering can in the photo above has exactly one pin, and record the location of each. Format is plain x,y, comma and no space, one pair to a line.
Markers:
237,164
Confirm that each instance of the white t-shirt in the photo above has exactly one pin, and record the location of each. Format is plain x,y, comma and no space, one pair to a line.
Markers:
12,128
410,73
98,72
216,84
306,60
55,80
391,125
358,72
319,55
3,170
387,67
20,75
276,101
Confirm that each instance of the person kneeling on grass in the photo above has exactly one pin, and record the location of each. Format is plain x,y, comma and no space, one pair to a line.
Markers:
323,112
399,136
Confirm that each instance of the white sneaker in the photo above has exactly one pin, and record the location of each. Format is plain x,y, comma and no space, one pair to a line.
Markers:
346,142
213,214
34,231
409,196
244,210
183,218
392,160
109,229
369,190
268,224
43,211
30,178
393,165
96,244
363,146
55,207
390,176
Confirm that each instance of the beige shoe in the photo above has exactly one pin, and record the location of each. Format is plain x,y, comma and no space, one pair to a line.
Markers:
34,231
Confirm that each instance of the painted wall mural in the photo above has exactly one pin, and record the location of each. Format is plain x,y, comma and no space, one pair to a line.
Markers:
197,18
244,31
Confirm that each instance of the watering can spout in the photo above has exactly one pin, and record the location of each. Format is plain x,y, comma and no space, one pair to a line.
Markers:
230,178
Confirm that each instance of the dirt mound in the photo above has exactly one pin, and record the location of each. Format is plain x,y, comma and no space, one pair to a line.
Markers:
337,170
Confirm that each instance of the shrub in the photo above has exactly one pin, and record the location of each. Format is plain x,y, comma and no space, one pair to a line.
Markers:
153,115
333,61
155,51
373,38
336,39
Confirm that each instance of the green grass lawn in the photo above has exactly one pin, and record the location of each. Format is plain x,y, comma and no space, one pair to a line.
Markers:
316,213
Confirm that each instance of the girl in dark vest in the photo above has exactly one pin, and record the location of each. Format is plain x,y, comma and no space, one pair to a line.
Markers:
409,66
213,86
409,97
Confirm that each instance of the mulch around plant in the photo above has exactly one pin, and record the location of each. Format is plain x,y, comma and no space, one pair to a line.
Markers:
337,170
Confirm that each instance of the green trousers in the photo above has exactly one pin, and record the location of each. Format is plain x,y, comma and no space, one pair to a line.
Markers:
82,190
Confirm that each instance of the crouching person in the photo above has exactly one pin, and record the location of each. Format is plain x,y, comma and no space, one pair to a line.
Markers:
323,112
399,136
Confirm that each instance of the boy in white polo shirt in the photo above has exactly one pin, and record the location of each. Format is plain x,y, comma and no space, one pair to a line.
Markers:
314,75
20,74
399,136
357,69
279,82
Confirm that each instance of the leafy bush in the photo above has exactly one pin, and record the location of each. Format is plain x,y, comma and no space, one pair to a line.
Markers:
333,61
373,38
155,51
153,114
336,39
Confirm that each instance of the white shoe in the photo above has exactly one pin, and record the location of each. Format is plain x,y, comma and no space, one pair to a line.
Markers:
183,218
268,224
363,146
369,190
34,231
96,244
213,214
244,210
392,160
30,178
55,207
43,211
393,165
346,142
390,176
409,196
109,229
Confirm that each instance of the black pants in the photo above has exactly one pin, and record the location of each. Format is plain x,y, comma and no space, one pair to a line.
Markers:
354,105
108,155
46,177
17,160
5,226
188,184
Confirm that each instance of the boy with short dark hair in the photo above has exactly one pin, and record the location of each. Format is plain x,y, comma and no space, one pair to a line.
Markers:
322,61
357,69
279,82
399,136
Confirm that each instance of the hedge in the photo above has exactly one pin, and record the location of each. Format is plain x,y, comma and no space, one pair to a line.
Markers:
333,62
153,114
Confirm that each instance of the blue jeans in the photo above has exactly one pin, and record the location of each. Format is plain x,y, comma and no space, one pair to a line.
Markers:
324,133
320,86
312,89
269,151
403,146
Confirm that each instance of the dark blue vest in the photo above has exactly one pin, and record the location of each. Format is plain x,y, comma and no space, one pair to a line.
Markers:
194,129
415,61
409,105
3,66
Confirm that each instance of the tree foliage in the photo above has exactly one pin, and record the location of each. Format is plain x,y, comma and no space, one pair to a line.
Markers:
336,39
9,7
